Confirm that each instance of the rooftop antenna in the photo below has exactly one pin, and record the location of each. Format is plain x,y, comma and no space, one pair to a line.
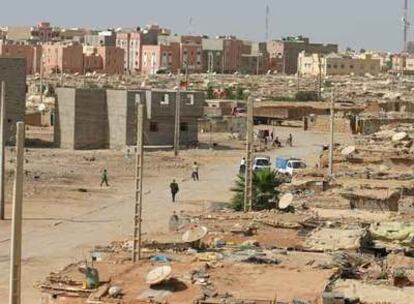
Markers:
267,34
406,25
190,26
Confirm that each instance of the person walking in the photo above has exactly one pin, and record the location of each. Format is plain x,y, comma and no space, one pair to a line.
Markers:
242,168
104,178
290,140
174,189
194,174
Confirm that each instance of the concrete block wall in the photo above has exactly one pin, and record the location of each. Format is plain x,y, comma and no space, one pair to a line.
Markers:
13,72
81,119
99,119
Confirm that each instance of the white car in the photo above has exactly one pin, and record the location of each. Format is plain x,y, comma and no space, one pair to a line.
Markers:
289,165
261,162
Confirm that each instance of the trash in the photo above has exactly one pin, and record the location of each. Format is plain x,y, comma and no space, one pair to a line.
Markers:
209,256
161,258
114,291
262,259
158,275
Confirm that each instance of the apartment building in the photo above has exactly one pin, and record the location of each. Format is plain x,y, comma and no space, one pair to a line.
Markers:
31,53
284,53
161,58
336,64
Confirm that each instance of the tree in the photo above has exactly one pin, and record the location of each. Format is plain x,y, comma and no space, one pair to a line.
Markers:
265,190
228,92
240,93
210,92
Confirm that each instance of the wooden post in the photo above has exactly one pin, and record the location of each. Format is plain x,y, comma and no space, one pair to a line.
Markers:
136,253
2,149
16,235
331,146
248,182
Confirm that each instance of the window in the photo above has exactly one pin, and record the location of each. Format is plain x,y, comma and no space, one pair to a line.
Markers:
184,126
335,66
153,126
329,66
165,99
342,66
190,100
351,66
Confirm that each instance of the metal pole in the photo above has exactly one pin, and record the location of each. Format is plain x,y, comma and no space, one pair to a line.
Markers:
177,120
331,146
248,183
16,235
2,148
136,253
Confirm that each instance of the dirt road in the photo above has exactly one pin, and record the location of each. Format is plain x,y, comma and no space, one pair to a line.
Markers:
62,222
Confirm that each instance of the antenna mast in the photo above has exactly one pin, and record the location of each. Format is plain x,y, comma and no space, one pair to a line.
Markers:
267,34
406,25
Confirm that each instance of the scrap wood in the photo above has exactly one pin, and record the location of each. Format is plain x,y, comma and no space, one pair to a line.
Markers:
277,224
46,287
100,292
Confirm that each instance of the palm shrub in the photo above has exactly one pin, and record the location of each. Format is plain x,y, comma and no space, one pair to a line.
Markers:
265,190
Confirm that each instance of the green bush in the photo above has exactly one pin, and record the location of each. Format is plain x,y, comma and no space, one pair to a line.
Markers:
265,190
307,96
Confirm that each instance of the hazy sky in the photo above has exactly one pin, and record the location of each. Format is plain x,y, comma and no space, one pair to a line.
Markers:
372,24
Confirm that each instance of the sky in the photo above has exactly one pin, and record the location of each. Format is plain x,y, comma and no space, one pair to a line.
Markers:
369,24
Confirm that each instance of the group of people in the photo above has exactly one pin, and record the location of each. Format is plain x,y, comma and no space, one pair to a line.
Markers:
174,188
277,143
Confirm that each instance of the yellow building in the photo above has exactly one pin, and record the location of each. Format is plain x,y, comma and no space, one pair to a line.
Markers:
336,64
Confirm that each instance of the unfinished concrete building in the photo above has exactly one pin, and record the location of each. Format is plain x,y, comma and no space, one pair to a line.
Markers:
101,119
13,73
81,119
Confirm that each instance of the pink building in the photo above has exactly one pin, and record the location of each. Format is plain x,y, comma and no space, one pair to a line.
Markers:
66,58
44,32
112,59
31,53
163,57
131,44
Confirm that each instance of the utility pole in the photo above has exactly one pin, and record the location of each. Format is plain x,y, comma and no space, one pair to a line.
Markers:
16,235
267,24
406,26
41,78
2,149
177,119
136,251
320,76
248,176
331,146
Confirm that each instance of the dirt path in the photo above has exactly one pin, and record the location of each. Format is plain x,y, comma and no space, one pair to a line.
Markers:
62,224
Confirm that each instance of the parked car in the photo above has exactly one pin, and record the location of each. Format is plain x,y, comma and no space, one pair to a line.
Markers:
261,162
289,165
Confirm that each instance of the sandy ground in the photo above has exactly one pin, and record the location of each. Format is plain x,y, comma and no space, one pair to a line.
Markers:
62,222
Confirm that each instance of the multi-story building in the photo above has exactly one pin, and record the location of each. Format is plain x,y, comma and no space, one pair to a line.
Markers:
100,119
335,64
191,54
66,58
161,58
104,38
131,42
257,61
112,59
31,53
43,32
233,50
287,50
212,55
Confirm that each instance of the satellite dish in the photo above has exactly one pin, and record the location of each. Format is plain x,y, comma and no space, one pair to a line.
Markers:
158,275
285,201
399,136
348,150
194,234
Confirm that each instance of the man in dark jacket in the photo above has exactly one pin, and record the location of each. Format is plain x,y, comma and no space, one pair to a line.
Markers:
174,189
